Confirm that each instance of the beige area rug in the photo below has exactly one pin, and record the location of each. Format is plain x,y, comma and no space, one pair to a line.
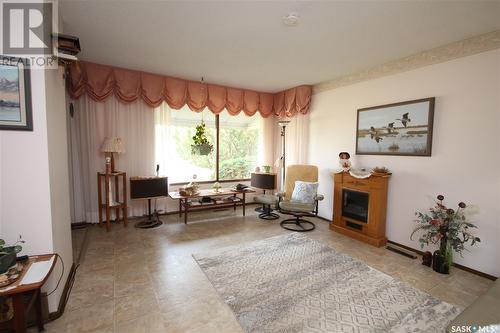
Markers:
291,283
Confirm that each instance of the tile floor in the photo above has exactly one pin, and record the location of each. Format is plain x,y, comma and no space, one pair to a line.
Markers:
133,280
79,238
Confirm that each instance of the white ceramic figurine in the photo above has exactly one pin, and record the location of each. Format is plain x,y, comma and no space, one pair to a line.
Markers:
344,162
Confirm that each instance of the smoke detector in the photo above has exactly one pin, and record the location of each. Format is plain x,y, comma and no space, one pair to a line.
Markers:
291,20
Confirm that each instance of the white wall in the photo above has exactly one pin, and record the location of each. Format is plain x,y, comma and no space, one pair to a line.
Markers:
24,166
34,178
57,139
465,162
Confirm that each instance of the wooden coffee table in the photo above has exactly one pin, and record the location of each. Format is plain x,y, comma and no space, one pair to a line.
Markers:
224,197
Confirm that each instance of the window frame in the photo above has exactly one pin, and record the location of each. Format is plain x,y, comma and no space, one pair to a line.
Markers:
217,137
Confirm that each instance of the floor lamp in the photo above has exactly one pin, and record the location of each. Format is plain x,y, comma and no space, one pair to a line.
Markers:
282,124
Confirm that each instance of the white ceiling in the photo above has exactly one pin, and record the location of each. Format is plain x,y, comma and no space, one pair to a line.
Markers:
245,44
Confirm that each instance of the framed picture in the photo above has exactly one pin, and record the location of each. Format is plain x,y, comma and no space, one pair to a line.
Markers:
15,95
396,129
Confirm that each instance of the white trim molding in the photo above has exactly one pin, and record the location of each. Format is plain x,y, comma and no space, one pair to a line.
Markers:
477,44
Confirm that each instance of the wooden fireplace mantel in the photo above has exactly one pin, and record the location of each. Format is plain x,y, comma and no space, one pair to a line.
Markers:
373,230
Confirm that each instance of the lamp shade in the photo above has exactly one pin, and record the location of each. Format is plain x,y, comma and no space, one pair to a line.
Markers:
283,123
112,145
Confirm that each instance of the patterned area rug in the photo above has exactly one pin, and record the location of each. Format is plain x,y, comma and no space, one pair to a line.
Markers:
291,283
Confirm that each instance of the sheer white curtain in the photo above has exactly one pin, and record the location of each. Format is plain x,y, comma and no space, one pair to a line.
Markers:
297,137
267,143
91,124
162,119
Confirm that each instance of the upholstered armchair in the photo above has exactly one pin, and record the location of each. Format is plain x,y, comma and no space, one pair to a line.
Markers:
307,206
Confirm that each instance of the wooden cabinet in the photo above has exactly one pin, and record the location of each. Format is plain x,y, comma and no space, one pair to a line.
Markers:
359,207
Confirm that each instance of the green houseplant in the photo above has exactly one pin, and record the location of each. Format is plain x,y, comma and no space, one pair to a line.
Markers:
200,145
449,228
8,255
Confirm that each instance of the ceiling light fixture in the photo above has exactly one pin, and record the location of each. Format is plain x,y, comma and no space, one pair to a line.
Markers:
291,20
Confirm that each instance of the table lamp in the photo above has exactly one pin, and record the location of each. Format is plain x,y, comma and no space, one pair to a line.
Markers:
109,147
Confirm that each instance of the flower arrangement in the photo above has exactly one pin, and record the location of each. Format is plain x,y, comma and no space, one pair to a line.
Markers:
380,170
447,226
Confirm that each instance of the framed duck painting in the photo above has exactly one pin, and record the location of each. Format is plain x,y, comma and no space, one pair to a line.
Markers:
403,128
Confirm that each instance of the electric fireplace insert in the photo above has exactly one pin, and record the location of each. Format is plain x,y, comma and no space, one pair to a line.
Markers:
355,205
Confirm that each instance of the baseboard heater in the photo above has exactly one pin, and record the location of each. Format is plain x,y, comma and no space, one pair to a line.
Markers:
401,251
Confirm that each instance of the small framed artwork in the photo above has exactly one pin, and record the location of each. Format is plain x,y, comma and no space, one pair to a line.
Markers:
396,129
15,95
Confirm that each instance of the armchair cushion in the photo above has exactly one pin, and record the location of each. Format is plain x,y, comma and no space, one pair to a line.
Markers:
266,199
304,192
296,206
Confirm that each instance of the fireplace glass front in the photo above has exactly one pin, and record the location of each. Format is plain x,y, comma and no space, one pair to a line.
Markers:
355,205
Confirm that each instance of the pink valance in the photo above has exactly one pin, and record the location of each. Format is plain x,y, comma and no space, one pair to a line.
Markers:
101,81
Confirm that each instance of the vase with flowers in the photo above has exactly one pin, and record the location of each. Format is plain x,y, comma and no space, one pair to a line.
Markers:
448,227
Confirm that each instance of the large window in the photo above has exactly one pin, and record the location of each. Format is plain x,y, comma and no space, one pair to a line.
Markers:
239,138
235,139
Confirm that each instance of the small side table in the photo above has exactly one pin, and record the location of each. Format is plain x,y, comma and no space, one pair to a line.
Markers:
18,290
118,203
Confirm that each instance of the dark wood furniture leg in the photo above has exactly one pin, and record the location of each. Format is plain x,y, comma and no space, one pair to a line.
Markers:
19,315
244,203
99,198
106,182
117,199
180,207
185,212
125,205
38,309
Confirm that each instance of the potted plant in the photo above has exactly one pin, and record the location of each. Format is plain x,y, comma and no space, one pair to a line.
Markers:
8,255
266,168
216,187
200,145
449,228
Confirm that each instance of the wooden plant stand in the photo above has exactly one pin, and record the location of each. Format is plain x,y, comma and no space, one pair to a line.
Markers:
119,202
